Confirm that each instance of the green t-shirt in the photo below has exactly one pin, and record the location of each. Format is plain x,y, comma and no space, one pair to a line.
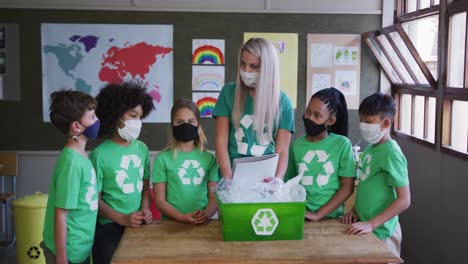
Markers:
73,187
186,178
321,164
383,167
242,141
121,170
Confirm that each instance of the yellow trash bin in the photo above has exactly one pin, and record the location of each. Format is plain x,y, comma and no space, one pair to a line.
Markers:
29,213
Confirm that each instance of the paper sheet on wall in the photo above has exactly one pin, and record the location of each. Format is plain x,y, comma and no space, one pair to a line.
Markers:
287,46
205,102
345,55
321,55
320,81
246,172
207,78
345,81
334,60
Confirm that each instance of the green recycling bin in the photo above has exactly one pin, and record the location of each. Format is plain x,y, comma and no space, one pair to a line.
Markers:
29,213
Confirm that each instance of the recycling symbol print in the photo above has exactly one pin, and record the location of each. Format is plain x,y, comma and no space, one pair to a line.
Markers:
93,203
34,252
121,176
246,125
319,158
365,171
265,222
191,172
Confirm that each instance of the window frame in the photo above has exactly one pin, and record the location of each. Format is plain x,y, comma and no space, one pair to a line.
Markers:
399,89
451,93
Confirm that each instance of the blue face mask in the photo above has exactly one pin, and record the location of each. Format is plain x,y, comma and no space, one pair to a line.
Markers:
92,131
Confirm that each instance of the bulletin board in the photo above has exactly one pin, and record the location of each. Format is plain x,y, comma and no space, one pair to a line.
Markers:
334,60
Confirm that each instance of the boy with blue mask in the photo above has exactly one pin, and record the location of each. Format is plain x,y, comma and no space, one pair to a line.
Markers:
122,164
383,191
72,204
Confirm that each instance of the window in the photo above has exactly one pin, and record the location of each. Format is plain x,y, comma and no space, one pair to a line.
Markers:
413,82
409,54
455,101
423,33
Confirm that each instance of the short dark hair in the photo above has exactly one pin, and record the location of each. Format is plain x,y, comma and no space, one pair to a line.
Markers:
378,103
68,106
116,99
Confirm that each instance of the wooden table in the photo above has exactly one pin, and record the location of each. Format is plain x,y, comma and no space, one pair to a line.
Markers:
172,242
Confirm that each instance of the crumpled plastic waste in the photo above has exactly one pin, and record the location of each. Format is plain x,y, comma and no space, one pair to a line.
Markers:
274,190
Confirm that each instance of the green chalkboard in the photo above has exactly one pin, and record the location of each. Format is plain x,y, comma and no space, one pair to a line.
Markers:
22,127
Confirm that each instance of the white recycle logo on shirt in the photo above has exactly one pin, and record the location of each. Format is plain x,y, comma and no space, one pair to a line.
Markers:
322,158
186,177
122,176
93,204
364,173
265,222
256,150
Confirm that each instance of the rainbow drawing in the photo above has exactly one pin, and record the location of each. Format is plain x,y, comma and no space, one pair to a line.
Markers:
207,55
205,102
208,51
207,78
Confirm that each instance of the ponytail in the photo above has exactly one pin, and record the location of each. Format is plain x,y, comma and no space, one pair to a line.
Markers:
336,104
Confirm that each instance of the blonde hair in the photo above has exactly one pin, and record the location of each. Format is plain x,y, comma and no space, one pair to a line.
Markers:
200,141
267,91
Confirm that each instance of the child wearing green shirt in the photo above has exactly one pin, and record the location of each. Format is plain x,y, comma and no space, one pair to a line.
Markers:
383,191
324,156
185,175
122,165
72,205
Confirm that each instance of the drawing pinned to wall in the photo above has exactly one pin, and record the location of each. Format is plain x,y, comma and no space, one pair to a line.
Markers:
3,63
86,57
207,78
208,51
2,36
334,61
345,55
345,81
287,45
321,55
321,81
205,102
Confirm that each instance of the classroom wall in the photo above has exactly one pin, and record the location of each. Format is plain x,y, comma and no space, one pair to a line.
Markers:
436,230
30,133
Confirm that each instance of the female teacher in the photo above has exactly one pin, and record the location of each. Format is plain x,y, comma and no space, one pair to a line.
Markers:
253,116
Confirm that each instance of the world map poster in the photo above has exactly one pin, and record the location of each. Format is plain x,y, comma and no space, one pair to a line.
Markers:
86,57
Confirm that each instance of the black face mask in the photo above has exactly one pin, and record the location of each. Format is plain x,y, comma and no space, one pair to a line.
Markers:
312,128
185,132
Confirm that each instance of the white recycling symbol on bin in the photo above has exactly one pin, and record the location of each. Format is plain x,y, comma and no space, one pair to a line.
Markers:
186,177
265,222
365,171
121,176
256,150
323,176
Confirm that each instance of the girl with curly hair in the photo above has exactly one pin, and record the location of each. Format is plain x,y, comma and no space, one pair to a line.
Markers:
122,165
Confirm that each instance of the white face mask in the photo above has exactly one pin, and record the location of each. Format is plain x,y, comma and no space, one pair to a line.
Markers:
371,132
131,130
249,78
